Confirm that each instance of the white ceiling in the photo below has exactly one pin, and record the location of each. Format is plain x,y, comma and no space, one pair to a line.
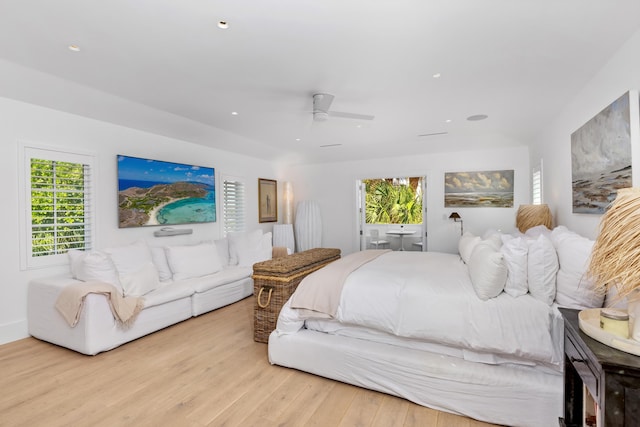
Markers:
517,61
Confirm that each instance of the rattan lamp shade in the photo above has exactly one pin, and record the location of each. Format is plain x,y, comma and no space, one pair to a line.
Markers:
615,259
529,216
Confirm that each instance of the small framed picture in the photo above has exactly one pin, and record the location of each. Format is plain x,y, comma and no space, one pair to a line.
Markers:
267,200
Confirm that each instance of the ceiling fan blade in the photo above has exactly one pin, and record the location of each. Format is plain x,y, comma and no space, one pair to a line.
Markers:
322,102
351,115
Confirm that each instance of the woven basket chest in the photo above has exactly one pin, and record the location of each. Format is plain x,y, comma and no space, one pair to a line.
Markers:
275,280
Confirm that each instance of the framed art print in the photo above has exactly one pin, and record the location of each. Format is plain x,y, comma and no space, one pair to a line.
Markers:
268,200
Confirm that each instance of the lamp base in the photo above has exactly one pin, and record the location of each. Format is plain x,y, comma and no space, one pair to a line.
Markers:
589,321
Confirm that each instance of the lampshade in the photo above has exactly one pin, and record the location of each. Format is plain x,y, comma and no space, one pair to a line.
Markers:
615,258
454,216
529,216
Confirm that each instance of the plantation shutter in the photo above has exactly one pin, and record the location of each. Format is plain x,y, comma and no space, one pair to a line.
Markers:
57,204
536,180
233,205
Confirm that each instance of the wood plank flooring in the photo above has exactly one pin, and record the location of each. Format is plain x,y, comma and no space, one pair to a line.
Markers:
206,371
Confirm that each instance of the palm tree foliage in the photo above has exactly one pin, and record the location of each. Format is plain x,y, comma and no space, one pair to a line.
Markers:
393,201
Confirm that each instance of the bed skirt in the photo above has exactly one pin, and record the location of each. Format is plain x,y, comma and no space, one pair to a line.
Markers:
500,394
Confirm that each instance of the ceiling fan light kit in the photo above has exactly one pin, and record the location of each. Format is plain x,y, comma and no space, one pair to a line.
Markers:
321,113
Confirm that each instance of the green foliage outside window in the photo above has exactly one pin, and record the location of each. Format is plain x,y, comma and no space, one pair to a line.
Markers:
393,201
57,207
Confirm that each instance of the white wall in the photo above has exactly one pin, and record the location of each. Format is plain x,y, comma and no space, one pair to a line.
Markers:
28,123
333,187
619,75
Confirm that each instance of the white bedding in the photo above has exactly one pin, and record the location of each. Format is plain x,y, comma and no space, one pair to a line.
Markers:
428,296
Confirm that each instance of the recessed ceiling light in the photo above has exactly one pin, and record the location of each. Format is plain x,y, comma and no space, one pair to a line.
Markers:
74,48
448,121
437,75
477,117
234,113
297,139
223,25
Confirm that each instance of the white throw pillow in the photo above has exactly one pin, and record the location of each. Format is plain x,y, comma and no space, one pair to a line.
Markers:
515,250
248,255
574,288
487,270
98,266
242,240
466,244
222,245
76,257
159,258
542,267
140,282
193,260
130,258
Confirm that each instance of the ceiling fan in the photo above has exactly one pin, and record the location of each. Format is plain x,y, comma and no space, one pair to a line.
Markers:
321,113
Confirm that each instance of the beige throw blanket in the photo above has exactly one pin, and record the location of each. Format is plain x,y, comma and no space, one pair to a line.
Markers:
320,291
71,300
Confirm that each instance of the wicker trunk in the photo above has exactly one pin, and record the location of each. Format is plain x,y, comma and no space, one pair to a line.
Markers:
275,280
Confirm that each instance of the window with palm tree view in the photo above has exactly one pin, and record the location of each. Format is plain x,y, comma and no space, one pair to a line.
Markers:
393,200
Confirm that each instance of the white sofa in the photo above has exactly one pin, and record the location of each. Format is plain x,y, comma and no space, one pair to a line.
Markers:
176,283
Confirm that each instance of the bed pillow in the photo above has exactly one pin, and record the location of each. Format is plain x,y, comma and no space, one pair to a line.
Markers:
249,255
467,242
242,240
538,230
128,259
542,266
487,270
140,282
97,266
159,258
574,288
515,251
193,260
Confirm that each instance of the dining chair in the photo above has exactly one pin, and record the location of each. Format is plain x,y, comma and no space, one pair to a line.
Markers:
376,240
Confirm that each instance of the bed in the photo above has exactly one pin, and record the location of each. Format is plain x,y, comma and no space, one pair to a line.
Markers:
412,324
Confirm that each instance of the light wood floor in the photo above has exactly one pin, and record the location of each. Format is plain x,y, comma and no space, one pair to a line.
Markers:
206,371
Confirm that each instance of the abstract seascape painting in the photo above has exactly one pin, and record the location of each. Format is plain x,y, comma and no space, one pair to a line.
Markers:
153,192
601,158
492,189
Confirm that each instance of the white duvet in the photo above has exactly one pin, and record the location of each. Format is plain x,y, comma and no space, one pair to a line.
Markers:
428,296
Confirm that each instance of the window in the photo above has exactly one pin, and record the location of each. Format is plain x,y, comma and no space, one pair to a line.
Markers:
58,205
536,184
393,200
232,205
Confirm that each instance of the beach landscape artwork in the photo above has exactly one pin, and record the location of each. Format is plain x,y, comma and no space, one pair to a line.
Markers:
488,189
601,158
153,192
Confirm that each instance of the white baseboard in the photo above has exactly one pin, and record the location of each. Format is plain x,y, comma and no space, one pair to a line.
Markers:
13,331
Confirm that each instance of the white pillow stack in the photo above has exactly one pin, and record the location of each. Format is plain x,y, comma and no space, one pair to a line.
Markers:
575,289
467,243
515,250
93,266
542,266
136,271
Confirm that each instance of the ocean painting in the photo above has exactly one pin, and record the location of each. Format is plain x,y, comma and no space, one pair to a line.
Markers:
601,158
489,189
153,192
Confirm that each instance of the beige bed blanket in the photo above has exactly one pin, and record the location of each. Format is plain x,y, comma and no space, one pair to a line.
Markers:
320,291
71,300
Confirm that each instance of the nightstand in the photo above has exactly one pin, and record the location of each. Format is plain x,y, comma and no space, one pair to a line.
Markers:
611,376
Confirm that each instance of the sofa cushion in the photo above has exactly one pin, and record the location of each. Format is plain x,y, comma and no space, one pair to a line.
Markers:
94,266
128,259
159,258
140,282
222,245
227,275
249,252
166,293
241,240
193,260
